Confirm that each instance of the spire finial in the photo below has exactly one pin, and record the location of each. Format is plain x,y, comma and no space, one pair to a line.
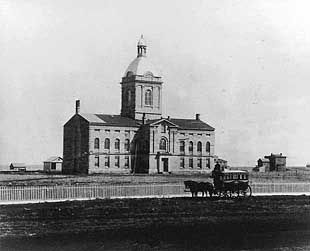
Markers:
141,47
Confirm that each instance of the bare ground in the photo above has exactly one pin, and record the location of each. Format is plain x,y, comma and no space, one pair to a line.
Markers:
157,224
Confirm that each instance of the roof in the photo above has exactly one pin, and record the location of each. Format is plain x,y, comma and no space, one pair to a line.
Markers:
233,171
142,66
54,159
191,124
109,120
187,124
18,164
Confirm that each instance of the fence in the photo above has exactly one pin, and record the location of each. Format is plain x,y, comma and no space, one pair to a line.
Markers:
50,193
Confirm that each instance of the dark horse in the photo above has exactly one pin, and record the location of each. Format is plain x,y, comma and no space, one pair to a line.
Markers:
196,187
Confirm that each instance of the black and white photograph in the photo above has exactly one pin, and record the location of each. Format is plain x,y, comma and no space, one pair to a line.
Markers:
154,125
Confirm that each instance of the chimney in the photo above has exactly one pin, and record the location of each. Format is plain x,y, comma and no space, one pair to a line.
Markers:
168,117
197,116
77,106
143,119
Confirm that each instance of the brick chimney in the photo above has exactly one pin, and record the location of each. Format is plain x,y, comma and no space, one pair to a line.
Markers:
197,116
77,106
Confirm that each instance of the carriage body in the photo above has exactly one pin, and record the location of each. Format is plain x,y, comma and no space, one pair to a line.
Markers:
231,182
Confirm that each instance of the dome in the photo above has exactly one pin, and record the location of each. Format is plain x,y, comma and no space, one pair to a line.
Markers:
141,66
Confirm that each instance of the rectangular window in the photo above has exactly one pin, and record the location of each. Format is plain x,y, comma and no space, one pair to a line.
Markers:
97,161
97,130
182,134
199,134
181,162
208,134
182,146
163,128
107,161
107,130
117,161
208,163
191,134
117,131
126,162
199,161
191,163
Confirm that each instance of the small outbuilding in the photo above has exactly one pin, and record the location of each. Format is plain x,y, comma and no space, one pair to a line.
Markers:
18,167
53,164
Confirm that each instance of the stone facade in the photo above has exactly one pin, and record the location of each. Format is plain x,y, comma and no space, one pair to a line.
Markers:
139,140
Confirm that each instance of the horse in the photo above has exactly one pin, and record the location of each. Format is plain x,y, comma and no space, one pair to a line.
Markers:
196,187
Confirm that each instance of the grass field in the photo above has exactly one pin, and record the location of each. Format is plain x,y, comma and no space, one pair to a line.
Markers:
257,223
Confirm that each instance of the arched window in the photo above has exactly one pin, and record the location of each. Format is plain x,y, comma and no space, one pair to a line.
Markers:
199,147
190,147
116,145
97,143
208,147
182,146
107,144
148,97
163,144
127,145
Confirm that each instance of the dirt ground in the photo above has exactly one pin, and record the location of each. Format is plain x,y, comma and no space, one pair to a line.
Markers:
255,223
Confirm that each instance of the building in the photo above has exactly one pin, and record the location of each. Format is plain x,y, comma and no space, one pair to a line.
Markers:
18,167
263,165
273,162
140,139
52,164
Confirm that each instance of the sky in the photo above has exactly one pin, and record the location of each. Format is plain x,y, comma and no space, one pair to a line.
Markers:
243,65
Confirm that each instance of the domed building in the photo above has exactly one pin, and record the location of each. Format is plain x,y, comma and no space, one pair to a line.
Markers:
140,139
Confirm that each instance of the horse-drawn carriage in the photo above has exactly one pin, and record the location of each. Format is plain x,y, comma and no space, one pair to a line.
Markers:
231,182
226,183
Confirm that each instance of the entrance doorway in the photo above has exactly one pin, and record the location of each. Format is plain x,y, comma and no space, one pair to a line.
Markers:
165,164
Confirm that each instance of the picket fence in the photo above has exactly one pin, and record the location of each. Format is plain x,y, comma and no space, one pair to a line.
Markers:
50,193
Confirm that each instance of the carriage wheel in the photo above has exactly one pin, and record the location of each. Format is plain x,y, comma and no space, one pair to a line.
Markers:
247,192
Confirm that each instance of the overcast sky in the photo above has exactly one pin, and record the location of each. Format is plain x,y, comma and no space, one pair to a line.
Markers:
243,65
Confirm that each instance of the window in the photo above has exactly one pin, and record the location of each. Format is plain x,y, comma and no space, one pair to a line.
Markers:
199,147
199,161
163,144
107,144
208,147
117,131
107,161
127,145
107,130
181,162
129,96
148,97
191,134
97,161
208,163
182,146
117,161
190,147
116,146
127,134
97,130
191,163
163,128
126,162
96,144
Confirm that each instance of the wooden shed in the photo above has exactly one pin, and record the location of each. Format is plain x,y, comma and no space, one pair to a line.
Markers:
53,164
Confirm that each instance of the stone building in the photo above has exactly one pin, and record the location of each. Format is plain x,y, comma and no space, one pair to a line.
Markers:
272,162
140,139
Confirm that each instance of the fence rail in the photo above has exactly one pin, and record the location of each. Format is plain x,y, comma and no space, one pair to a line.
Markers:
50,193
